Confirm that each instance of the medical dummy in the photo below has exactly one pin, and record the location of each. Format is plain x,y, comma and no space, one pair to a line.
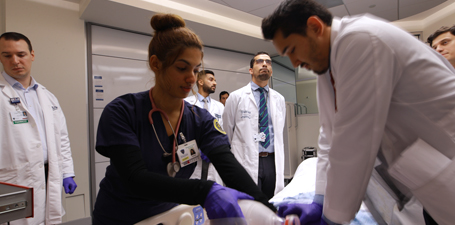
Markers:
255,214
149,135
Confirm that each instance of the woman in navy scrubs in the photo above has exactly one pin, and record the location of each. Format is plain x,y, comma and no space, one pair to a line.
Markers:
148,137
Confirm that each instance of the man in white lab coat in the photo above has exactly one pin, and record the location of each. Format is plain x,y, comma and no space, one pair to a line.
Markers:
386,100
35,149
257,137
206,84
443,41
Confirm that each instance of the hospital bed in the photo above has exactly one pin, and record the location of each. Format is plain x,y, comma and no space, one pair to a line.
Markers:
378,206
301,190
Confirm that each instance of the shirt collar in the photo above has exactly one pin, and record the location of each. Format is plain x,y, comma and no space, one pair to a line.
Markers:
14,83
335,29
255,87
200,98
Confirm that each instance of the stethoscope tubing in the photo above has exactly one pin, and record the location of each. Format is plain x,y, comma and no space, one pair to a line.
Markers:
156,109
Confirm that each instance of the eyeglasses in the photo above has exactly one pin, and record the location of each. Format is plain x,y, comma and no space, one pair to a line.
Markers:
261,61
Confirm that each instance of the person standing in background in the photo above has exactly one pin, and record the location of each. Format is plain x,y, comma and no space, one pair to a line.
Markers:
253,119
206,84
35,149
223,97
443,41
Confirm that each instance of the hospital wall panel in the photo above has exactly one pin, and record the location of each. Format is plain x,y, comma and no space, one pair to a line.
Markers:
226,60
75,202
286,89
113,77
307,131
111,42
306,95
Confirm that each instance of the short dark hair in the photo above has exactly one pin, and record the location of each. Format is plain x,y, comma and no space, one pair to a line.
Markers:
291,17
17,37
440,31
258,53
201,74
223,93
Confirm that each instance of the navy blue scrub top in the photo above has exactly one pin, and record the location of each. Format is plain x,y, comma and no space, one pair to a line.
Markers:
124,121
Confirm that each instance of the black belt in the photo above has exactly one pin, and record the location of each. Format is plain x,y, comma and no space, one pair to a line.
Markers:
265,154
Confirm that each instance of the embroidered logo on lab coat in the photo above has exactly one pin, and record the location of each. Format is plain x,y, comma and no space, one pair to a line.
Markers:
218,126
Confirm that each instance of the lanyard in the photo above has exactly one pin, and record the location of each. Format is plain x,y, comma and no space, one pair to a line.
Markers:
155,109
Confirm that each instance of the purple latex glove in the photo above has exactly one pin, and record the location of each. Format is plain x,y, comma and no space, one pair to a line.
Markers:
310,214
69,185
221,202
204,157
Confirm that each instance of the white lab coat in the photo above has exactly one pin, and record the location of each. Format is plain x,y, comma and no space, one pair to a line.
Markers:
216,109
395,94
240,121
21,154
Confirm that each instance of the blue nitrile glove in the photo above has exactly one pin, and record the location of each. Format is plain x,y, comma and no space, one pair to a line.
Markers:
204,157
221,202
310,214
69,185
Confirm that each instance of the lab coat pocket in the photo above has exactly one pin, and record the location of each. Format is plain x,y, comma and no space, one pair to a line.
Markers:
418,165
16,174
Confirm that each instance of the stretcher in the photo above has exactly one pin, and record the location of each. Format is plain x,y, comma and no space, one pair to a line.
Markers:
378,206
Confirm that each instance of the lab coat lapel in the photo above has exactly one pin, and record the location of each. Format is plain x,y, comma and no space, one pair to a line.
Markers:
6,88
273,99
249,92
9,92
47,108
55,177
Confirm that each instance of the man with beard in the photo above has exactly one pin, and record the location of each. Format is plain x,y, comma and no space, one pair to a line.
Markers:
206,84
386,111
253,119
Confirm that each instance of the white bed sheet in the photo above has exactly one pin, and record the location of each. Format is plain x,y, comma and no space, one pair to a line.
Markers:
301,190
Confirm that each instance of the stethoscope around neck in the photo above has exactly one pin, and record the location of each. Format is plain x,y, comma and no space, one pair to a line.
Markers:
172,167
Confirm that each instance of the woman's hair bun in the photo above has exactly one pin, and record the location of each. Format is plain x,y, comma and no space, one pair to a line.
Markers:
162,22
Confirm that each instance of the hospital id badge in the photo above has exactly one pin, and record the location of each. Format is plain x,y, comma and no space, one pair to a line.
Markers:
19,117
259,137
188,153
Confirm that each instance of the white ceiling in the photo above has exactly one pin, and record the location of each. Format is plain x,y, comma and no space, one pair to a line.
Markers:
388,9
215,20
235,24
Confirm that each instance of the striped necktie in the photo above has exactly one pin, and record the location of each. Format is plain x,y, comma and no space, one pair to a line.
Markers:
264,117
206,106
